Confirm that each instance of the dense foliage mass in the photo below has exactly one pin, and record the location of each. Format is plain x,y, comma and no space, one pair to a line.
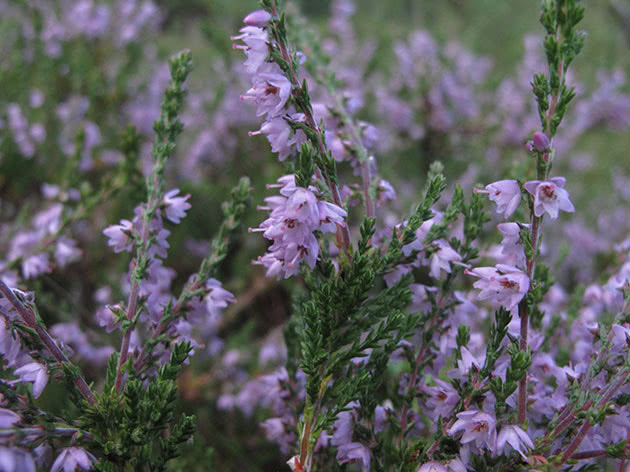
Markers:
486,328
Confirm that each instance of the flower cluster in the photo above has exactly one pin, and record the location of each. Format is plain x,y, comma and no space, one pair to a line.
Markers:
419,341
296,214
270,90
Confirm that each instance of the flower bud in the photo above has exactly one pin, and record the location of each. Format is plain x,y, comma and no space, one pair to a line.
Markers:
258,18
541,141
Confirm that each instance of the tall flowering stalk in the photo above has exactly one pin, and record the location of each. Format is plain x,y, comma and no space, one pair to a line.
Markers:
132,419
345,316
562,44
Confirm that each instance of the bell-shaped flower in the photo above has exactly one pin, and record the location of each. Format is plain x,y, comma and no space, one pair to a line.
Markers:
432,466
176,207
512,246
442,257
550,196
478,427
258,18
442,399
72,459
354,453
515,437
255,47
8,418
120,236
270,90
505,285
505,193
35,373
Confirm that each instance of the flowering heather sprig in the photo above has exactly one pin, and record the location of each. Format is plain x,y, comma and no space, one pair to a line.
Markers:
562,44
510,286
202,294
274,83
148,229
392,359
294,218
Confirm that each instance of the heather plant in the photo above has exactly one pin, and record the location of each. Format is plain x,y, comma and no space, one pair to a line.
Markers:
408,340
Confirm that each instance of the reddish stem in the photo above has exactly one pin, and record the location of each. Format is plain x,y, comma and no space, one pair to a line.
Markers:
31,320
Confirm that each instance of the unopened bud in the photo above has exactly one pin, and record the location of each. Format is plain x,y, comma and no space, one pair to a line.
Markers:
541,141
258,18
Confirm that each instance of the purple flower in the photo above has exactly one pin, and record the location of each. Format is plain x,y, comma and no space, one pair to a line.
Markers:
440,259
511,246
72,459
503,284
270,90
255,47
354,452
13,459
66,252
36,373
275,430
515,437
540,141
477,426
432,466
330,215
343,428
175,206
258,18
8,418
442,399
505,193
453,465
36,98
550,196
120,236
280,136
10,347
35,265
294,218
217,298
465,364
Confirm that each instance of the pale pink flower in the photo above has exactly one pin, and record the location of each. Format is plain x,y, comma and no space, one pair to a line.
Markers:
515,437
35,373
66,252
478,427
505,193
354,453
281,137
255,47
8,418
294,218
176,207
35,265
512,246
120,236
270,90
442,257
550,196
72,459
506,285
432,466
258,18
442,399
